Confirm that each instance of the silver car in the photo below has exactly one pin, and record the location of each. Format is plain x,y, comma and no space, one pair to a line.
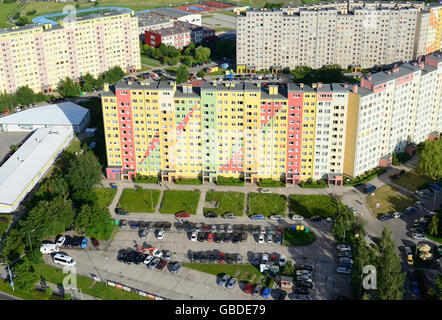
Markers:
231,283
224,280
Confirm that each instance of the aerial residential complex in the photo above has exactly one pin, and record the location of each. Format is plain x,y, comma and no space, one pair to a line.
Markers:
289,131
41,55
347,33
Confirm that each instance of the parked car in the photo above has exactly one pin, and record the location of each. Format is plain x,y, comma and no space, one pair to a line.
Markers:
113,185
419,204
224,280
305,284
384,217
410,210
212,215
121,212
277,217
60,241
397,215
269,238
304,267
175,267
148,259
301,291
133,225
76,242
236,237
256,290
209,237
265,258
343,270
282,260
231,283
419,236
157,253
161,264
227,237
343,247
303,272
160,234
296,217
183,214
266,191
255,260
229,216
140,258
142,233
257,217
408,255
261,238
154,263
281,295
194,236
277,239
248,288
266,292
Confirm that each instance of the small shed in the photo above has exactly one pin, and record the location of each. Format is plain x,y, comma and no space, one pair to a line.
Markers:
285,282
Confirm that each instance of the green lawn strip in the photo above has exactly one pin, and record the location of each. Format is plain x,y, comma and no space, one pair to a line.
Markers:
3,224
412,180
105,195
266,204
298,238
188,181
434,238
175,201
229,202
222,29
5,10
33,295
99,289
229,181
227,13
247,270
389,200
150,62
75,145
314,205
269,183
139,200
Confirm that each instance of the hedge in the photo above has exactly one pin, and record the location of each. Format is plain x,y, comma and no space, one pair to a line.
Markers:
365,177
270,183
188,181
146,179
229,181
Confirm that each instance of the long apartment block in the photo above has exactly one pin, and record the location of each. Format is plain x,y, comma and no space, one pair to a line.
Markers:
348,33
39,56
287,131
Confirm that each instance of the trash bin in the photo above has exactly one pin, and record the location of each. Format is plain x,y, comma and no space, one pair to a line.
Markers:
306,230
302,228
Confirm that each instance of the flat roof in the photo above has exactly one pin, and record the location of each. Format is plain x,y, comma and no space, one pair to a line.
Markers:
19,171
173,13
65,113
7,139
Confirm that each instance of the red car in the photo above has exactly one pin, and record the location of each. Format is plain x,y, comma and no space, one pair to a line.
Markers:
161,264
210,237
183,214
95,242
248,288
221,258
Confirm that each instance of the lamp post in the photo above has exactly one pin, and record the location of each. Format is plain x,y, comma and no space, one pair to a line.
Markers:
29,238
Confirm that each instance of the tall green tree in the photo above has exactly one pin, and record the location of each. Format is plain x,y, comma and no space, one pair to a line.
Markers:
202,53
182,74
88,83
430,159
25,95
363,255
95,221
13,246
25,276
433,226
84,172
68,88
339,228
114,75
390,279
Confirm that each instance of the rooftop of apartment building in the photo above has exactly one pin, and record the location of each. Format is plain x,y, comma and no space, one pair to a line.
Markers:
171,12
149,19
178,28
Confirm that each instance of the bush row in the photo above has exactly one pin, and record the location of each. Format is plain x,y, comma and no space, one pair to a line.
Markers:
365,177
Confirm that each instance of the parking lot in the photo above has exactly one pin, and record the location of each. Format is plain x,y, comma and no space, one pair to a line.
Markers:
192,284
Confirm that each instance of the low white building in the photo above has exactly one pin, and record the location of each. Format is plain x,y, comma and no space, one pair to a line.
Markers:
25,168
65,114
178,15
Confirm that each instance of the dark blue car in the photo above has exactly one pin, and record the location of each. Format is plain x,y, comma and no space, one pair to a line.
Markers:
257,217
266,292
415,287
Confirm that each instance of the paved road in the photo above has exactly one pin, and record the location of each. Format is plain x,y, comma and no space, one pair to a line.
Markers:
5,296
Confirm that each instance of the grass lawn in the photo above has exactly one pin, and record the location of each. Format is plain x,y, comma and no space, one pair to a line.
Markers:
227,13
314,205
412,180
134,200
3,224
389,201
150,62
75,145
270,183
298,238
99,289
247,270
175,201
232,202
222,29
429,236
34,295
5,10
105,195
266,204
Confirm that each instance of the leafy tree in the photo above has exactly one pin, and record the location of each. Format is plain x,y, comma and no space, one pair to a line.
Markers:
95,221
25,95
270,5
25,276
53,187
187,60
438,287
363,256
433,226
35,256
22,21
430,159
390,279
202,53
68,88
13,246
201,74
84,172
339,228
189,50
88,82
182,74
114,75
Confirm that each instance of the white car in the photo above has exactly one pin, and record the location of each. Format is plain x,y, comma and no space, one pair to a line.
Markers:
49,248
303,272
160,234
266,191
269,238
17,109
282,260
194,236
261,238
418,236
60,241
148,259
431,213
157,253
343,247
64,260
229,229
397,215
265,258
296,217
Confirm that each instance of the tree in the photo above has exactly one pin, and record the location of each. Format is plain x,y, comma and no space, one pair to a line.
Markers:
22,21
114,75
25,276
53,187
84,172
433,226
188,51
88,82
339,228
68,88
25,95
13,246
430,159
182,74
48,291
202,53
390,279
95,221
363,256
201,74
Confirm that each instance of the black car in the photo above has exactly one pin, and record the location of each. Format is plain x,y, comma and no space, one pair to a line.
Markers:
130,257
243,236
141,225
236,238
212,258
67,242
76,242
301,291
229,258
194,257
227,237
121,256
384,217
218,237
304,284
201,236
255,260
121,212
212,215
140,258
277,239
316,218
133,225
203,258
282,294
168,225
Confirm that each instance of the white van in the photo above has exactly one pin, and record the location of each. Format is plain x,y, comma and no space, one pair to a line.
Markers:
49,248
64,260
297,217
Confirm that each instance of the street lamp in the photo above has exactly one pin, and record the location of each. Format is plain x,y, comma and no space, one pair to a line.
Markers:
29,238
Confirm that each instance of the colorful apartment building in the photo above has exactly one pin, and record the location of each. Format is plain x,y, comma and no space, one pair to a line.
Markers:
291,132
41,55
348,33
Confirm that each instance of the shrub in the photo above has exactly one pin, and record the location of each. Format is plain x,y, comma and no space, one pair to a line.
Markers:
146,179
229,181
188,181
